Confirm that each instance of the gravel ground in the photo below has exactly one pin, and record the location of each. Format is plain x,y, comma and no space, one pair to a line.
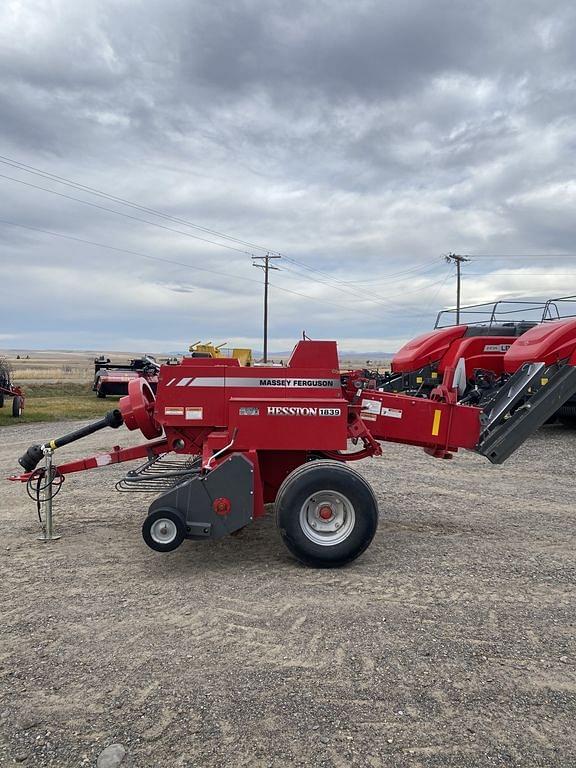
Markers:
449,643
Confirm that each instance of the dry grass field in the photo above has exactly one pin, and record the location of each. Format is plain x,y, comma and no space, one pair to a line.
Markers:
57,385
54,367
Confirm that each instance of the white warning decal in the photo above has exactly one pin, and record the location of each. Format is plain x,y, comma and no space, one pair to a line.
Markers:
371,406
392,413
173,411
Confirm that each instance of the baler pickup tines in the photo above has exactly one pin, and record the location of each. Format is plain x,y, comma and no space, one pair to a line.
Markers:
528,399
159,474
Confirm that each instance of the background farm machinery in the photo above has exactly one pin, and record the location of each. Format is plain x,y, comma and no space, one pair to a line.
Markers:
223,440
477,349
9,390
113,378
242,354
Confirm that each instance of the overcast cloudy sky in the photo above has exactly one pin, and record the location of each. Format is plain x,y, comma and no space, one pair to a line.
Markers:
361,139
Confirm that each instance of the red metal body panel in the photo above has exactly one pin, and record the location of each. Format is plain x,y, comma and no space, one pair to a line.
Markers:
548,343
426,349
275,466
199,394
446,346
12,391
121,376
116,382
289,424
478,352
305,355
189,386
418,421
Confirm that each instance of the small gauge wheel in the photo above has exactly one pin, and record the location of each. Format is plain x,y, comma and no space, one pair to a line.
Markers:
164,530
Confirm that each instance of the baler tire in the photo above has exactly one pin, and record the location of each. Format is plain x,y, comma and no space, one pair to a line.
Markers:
309,489
151,530
1,399
100,394
17,403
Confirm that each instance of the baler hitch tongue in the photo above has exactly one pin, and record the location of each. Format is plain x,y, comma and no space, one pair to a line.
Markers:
30,460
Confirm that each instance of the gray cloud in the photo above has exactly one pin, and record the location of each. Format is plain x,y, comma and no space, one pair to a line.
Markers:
360,138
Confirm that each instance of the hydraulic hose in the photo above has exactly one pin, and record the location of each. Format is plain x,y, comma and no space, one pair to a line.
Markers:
34,454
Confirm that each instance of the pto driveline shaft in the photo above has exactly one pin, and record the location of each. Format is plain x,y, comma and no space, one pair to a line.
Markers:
34,454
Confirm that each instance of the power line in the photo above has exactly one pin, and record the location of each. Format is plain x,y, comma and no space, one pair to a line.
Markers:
435,296
521,256
414,316
385,297
334,282
172,261
107,196
398,276
522,274
125,250
125,215
359,293
364,295
356,285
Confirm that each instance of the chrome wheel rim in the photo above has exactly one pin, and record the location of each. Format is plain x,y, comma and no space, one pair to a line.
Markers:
163,531
327,518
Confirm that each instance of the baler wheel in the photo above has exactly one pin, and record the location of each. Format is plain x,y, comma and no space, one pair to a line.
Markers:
164,530
100,393
1,399
326,513
17,403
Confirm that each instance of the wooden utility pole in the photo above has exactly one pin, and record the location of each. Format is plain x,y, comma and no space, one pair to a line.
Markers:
266,266
453,257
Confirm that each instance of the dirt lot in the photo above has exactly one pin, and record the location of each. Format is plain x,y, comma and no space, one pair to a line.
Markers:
449,643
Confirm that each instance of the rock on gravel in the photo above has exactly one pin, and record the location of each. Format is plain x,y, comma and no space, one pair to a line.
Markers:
111,757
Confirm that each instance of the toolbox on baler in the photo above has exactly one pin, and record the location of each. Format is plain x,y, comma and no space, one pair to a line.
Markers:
226,439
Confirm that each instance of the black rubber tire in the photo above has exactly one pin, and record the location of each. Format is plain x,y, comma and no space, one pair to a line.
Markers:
164,514
323,475
100,394
17,403
1,399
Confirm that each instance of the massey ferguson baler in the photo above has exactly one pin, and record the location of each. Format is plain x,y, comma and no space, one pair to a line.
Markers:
223,440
